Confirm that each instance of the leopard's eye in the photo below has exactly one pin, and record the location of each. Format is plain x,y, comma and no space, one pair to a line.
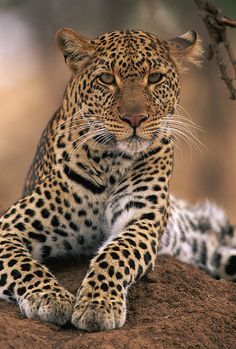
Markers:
107,79
155,78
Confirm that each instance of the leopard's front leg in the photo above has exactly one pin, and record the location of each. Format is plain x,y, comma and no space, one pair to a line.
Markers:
30,231
137,212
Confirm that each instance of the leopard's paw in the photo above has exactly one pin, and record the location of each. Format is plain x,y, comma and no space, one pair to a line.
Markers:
99,315
49,306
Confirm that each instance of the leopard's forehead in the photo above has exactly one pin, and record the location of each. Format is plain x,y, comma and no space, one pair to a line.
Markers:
128,39
133,45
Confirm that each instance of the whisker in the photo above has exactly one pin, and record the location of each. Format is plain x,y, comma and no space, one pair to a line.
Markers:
162,133
185,129
185,111
71,121
76,130
188,139
182,121
105,138
57,127
86,137
179,117
179,136
66,123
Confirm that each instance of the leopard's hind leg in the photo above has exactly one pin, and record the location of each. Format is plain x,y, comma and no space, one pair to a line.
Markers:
201,235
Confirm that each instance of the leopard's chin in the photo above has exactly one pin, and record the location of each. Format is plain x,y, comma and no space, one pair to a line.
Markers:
133,145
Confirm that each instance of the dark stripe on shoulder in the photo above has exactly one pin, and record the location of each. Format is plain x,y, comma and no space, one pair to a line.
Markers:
152,152
87,184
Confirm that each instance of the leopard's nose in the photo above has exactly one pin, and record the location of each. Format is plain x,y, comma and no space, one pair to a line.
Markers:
134,120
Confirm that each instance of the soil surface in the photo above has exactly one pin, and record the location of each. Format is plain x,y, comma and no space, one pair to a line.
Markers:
176,306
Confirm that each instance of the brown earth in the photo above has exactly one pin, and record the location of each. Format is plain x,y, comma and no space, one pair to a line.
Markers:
177,306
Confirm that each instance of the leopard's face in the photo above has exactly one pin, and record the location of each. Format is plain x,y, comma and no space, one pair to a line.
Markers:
128,85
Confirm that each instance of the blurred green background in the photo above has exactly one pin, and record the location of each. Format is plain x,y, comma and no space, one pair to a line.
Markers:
33,76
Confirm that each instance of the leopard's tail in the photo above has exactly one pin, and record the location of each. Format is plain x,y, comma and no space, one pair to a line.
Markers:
201,235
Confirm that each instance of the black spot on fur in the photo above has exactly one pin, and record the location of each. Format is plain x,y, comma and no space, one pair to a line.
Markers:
131,263
21,291
152,199
20,226
149,216
111,271
45,213
12,262
3,279
30,212
230,267
16,274
40,203
104,286
55,221
103,265
46,251
114,255
37,225
38,237
147,258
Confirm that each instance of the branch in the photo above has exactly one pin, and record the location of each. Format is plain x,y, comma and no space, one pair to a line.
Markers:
216,25
226,21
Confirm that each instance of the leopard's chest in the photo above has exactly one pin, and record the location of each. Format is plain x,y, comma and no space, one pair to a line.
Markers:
87,226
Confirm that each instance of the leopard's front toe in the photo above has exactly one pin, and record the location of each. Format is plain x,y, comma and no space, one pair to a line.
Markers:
99,315
54,307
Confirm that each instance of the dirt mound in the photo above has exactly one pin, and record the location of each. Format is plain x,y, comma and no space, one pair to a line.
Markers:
177,306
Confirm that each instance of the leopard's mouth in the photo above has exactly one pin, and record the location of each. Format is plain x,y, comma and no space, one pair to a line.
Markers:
133,145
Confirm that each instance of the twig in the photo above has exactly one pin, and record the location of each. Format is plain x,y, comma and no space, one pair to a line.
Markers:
227,21
216,25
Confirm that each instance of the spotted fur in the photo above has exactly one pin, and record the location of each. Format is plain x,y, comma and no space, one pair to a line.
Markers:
99,185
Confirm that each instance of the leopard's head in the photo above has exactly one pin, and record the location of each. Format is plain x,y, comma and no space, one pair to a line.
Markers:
127,82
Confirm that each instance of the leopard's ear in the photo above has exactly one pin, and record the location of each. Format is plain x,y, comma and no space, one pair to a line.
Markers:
76,49
186,48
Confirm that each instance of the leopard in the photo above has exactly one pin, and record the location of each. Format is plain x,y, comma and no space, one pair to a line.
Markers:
98,187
